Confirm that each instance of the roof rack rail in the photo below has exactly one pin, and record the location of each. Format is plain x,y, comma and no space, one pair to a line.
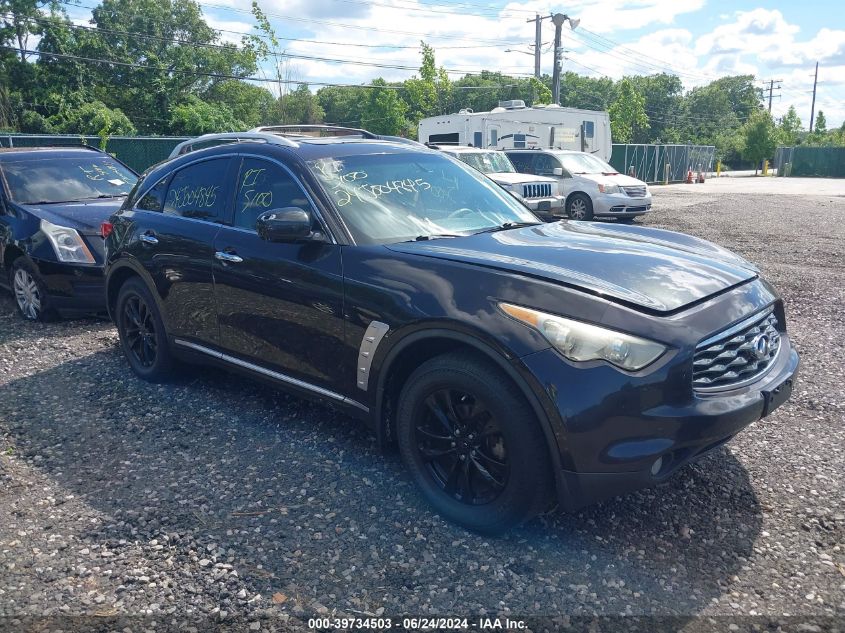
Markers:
229,137
302,130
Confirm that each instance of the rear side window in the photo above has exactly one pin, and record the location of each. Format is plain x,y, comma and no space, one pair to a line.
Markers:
264,186
199,191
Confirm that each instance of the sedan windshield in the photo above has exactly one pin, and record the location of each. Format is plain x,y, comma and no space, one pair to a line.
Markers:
585,164
487,162
388,198
51,180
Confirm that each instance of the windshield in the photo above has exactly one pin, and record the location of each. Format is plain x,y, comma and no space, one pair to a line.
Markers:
49,180
585,164
487,162
388,198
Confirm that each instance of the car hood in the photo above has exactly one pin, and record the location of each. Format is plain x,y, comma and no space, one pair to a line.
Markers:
84,216
651,269
615,179
510,178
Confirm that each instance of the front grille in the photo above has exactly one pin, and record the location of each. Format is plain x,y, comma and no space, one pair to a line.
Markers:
635,192
543,190
737,356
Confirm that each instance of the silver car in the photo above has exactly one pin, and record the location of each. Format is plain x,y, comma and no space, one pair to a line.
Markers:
591,187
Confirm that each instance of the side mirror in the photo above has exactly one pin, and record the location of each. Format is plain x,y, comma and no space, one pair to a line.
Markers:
290,224
557,171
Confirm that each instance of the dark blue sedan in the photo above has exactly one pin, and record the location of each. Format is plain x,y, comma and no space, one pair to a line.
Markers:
54,203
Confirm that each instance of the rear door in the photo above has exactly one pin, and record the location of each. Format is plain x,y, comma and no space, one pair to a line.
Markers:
280,305
176,222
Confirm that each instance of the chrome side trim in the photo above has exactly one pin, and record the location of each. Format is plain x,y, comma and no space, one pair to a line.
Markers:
272,374
372,337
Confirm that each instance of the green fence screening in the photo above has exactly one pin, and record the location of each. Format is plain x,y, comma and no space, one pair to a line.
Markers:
648,162
826,162
139,152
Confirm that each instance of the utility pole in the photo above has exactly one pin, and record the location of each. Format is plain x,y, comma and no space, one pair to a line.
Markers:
538,36
813,107
558,19
772,87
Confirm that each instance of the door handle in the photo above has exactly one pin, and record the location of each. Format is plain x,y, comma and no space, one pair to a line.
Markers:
148,238
223,256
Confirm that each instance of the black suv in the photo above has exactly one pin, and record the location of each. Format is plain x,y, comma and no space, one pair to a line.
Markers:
514,362
53,202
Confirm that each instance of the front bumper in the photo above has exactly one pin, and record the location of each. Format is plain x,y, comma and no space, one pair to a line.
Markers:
544,204
618,205
622,433
73,289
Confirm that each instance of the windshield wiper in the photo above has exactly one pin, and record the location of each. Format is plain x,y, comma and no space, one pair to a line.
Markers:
105,195
433,236
505,226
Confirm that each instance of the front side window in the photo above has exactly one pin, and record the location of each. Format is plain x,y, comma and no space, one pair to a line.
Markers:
263,186
153,200
545,164
522,162
199,191
387,198
50,180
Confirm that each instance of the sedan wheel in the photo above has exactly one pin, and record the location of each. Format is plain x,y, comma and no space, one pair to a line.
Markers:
27,294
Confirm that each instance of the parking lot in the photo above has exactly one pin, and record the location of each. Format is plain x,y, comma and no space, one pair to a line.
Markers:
215,497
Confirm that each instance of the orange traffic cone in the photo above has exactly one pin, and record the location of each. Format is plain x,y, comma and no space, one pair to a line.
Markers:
689,177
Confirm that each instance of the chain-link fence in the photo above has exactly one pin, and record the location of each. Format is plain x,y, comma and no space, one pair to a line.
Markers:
139,152
826,162
648,162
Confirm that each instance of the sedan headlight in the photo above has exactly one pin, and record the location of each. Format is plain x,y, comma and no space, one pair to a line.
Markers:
67,243
580,342
610,188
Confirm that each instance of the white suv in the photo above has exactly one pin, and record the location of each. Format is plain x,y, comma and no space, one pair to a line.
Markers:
538,193
592,188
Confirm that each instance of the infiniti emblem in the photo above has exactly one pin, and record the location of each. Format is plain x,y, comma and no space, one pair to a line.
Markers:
760,346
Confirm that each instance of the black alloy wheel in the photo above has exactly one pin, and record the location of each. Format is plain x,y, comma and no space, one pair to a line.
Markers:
142,334
473,444
462,446
139,326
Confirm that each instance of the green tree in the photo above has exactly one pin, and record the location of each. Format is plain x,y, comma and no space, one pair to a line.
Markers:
342,104
663,94
251,104
93,118
821,123
383,110
627,113
760,137
193,116
300,106
178,56
789,126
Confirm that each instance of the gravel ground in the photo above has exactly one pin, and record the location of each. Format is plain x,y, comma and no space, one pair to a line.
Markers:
215,499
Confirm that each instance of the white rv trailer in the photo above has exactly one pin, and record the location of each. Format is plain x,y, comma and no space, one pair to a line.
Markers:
514,126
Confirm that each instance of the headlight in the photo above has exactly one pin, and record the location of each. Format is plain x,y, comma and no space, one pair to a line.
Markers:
67,243
582,342
610,188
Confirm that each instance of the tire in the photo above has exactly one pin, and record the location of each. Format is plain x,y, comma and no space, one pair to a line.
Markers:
500,433
142,334
30,292
579,207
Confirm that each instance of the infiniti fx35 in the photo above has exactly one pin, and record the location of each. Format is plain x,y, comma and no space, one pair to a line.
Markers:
514,363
